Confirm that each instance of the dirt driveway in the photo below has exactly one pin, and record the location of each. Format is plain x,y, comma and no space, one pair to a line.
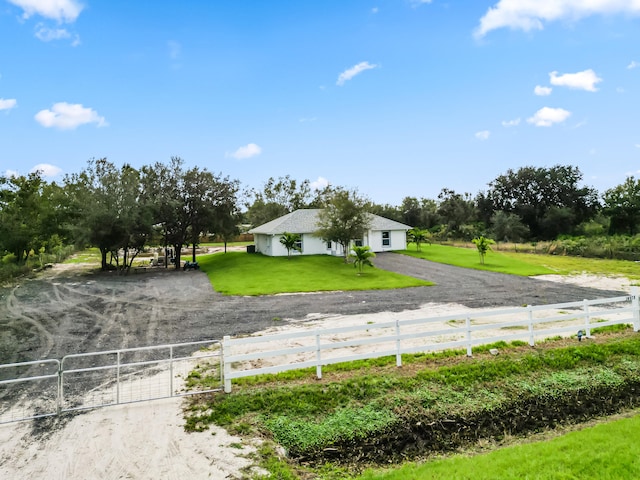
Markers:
62,312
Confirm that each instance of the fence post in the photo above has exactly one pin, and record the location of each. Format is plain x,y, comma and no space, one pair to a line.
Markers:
118,379
60,387
226,366
318,358
398,353
171,371
531,337
635,304
587,318
469,349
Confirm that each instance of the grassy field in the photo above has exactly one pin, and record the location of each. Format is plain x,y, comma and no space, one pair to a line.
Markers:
605,451
566,265
469,258
90,255
239,273
525,264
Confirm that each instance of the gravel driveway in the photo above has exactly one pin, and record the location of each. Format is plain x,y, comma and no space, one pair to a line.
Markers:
63,313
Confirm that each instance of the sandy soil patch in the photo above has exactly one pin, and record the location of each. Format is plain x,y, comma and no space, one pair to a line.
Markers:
138,441
591,281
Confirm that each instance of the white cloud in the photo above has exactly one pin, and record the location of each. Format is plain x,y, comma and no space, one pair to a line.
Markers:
483,135
11,174
374,10
542,91
585,80
47,170
511,123
633,65
637,145
417,3
174,49
547,116
319,184
60,10
67,116
530,15
47,34
307,119
349,73
7,103
248,151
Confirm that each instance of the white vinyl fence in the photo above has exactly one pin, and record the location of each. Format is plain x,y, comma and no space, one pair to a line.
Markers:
275,353
45,388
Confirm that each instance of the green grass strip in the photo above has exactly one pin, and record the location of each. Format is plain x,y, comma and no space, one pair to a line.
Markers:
606,451
469,258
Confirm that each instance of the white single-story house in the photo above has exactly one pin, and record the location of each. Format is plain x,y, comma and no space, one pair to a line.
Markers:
383,235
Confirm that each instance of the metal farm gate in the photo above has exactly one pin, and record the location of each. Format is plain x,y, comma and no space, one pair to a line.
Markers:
37,389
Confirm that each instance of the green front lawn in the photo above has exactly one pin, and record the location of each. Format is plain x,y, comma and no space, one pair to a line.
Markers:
240,273
469,258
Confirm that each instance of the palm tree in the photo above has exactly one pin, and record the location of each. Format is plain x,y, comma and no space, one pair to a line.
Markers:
361,256
483,245
291,242
419,236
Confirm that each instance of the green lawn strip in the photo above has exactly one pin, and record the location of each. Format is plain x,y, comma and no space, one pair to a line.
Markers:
309,419
605,451
566,265
221,244
90,255
469,258
240,273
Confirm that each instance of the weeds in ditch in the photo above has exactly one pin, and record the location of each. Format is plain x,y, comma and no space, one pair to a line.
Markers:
374,410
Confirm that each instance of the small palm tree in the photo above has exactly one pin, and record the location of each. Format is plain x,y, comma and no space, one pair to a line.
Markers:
419,236
361,256
483,245
290,242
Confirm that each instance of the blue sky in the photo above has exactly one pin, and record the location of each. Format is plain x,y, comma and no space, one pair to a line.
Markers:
393,97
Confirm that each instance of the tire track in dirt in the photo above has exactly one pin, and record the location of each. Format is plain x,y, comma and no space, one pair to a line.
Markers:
82,316
18,311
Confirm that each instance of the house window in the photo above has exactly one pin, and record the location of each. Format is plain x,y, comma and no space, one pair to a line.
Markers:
386,239
357,242
299,245
328,245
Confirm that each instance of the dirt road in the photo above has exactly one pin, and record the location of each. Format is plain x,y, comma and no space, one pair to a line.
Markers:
62,312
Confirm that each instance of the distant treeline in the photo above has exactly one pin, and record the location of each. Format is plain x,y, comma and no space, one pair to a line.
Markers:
120,210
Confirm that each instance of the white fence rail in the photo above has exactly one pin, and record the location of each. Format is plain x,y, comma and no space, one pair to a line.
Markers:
99,379
269,354
43,388
43,379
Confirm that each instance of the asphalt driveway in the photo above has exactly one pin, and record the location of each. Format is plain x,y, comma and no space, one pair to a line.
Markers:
64,313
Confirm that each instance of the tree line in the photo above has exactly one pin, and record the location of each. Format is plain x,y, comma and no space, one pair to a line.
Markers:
527,204
120,210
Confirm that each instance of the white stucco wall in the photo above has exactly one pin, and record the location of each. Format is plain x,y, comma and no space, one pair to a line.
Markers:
270,245
312,245
263,243
398,241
